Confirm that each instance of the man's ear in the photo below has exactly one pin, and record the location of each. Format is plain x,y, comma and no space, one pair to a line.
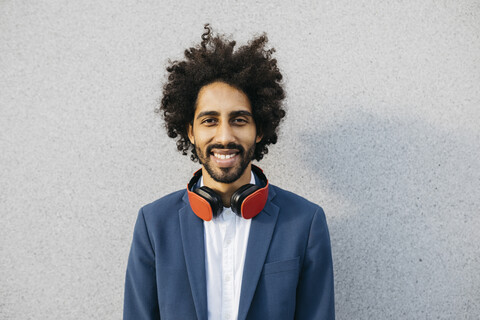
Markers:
190,133
259,133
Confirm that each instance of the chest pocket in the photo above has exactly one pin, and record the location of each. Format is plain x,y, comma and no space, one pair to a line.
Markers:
281,266
279,279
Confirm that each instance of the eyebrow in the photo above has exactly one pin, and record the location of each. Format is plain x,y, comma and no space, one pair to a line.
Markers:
232,114
207,113
241,113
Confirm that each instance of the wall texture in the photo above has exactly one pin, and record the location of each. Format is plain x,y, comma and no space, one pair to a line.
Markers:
382,131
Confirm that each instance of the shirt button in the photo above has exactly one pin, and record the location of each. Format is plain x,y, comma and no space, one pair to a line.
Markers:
227,278
227,316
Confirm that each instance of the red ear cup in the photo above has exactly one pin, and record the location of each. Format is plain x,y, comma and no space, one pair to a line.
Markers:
249,200
254,199
212,199
246,202
205,203
239,196
254,202
200,206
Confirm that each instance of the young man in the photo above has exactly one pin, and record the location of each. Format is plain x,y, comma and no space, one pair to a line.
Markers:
230,246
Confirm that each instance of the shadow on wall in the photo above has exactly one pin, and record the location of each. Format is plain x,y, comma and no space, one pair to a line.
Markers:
408,249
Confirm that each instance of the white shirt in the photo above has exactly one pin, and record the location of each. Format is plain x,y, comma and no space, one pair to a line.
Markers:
226,238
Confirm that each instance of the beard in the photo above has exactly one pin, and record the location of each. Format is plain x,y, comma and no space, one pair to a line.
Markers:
226,175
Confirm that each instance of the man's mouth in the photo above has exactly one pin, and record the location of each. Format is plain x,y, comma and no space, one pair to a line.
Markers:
225,158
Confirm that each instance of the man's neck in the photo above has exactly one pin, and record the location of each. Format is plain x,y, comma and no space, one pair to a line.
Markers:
225,190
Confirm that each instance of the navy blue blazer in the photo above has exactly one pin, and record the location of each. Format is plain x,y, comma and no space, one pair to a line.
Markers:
288,271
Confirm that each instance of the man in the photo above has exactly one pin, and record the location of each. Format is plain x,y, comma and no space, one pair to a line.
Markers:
230,246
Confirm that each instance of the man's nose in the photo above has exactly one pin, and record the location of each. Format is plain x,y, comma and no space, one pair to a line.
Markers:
224,134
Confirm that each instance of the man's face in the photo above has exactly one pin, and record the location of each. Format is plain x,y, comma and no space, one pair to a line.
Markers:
223,131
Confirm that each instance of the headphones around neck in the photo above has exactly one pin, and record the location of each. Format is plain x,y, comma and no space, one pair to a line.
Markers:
246,202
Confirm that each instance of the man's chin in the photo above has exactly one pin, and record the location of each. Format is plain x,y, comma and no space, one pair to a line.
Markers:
225,174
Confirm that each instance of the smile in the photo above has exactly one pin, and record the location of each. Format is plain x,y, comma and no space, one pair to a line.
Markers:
224,156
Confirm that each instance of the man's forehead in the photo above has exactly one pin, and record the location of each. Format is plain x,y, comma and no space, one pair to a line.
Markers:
221,98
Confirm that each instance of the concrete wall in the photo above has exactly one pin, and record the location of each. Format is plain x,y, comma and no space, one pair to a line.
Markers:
382,131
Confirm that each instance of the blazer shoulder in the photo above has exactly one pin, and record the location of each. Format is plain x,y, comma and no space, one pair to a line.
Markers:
289,200
165,205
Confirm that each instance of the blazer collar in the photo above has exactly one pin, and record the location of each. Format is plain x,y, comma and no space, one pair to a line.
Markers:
192,233
261,231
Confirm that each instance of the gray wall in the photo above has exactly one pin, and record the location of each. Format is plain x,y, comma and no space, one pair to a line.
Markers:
382,131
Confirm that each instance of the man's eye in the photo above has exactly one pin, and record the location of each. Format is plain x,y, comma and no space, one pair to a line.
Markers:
208,121
240,121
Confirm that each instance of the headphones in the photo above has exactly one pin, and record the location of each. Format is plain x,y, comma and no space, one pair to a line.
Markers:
246,202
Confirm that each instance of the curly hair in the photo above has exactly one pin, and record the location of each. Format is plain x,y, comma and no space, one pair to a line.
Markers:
250,69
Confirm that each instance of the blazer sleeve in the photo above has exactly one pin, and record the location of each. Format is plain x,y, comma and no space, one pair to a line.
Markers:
140,301
315,292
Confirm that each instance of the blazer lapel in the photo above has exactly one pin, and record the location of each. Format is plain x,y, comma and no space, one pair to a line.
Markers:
261,231
192,232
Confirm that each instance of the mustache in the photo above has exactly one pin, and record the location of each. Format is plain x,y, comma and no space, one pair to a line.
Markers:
231,145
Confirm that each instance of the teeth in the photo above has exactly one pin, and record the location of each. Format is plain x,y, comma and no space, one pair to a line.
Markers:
224,156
